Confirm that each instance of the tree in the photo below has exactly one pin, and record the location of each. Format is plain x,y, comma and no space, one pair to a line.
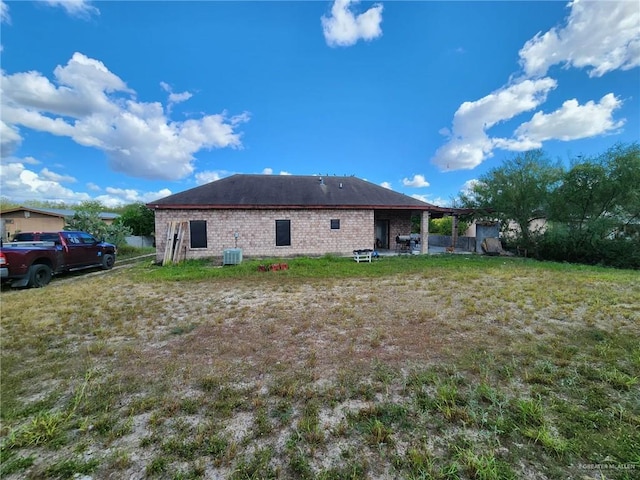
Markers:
87,219
518,191
443,226
600,196
596,210
139,218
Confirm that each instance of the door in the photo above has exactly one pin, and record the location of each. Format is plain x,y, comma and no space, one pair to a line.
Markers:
82,249
382,234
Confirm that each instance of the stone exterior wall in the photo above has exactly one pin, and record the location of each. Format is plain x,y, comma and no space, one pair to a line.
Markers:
311,232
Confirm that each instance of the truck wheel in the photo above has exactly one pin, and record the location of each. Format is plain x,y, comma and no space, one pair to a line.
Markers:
107,261
39,276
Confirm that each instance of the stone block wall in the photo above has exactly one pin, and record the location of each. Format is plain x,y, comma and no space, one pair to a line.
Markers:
311,232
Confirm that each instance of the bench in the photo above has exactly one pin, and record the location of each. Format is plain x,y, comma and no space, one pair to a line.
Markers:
362,255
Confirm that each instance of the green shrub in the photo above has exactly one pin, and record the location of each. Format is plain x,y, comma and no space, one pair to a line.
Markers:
564,245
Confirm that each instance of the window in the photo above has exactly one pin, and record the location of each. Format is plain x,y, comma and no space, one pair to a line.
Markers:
86,239
198,233
72,239
283,233
335,224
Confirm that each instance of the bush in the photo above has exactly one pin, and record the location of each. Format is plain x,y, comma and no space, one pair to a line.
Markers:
560,244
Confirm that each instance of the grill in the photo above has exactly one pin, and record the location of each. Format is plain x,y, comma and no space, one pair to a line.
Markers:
408,243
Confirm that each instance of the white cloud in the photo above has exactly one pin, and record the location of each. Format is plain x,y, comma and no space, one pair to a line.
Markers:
269,171
600,35
469,145
122,196
343,28
418,181
174,98
95,108
4,13
570,122
386,185
207,177
10,139
468,186
179,97
438,201
30,161
75,8
19,183
47,174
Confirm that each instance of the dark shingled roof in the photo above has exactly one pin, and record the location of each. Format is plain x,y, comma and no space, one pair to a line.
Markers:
290,191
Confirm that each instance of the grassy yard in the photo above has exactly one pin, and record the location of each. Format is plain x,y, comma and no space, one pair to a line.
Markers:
410,367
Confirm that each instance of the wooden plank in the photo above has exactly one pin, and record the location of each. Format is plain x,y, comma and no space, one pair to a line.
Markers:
178,253
168,248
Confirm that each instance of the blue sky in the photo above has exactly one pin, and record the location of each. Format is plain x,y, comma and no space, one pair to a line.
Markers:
132,101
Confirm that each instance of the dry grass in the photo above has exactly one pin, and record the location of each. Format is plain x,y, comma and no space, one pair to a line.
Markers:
419,375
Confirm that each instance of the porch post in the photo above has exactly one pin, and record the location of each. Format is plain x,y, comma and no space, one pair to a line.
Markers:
424,232
454,230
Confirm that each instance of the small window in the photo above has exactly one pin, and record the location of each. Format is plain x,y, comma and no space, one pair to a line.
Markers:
283,233
198,233
335,224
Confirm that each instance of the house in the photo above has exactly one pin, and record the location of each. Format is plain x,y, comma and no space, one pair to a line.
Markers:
27,219
288,215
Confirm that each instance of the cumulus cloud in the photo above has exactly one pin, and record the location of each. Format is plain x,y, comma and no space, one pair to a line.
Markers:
343,28
469,145
386,185
418,181
94,107
21,183
570,122
601,36
75,8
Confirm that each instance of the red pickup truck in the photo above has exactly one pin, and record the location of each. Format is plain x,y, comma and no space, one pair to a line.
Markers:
32,258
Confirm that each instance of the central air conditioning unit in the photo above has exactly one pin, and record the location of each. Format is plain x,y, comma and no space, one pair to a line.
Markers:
232,256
